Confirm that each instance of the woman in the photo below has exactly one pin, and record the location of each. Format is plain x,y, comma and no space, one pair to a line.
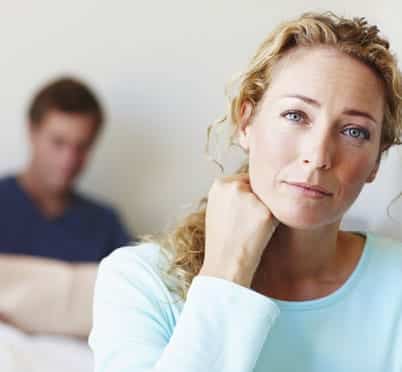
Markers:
262,279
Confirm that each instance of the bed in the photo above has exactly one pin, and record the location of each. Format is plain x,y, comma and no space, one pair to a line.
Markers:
20,352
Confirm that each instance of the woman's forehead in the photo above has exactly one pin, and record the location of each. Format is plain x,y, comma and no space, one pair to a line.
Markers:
326,74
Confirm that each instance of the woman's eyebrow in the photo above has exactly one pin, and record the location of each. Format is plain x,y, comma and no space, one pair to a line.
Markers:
364,114
347,111
306,99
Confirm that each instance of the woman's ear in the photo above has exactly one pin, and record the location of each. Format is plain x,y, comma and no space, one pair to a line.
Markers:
244,125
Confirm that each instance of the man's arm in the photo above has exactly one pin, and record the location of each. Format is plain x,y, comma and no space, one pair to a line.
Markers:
41,295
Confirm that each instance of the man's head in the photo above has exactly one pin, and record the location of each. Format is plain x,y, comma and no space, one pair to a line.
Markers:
64,120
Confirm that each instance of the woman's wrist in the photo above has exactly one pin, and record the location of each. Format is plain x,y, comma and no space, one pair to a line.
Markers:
237,275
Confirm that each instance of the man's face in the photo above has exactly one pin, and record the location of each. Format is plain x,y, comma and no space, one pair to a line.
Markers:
61,143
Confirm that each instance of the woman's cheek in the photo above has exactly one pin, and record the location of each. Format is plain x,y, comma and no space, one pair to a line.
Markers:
353,174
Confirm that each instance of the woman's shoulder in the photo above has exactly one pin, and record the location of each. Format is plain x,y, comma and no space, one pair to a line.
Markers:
385,252
146,253
384,244
139,266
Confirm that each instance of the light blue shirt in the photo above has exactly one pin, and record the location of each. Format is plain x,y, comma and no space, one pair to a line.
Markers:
141,326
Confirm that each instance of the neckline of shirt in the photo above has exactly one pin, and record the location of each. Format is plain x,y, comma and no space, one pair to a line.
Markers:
35,208
340,292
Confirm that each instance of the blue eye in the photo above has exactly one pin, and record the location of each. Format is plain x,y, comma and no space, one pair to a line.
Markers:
294,116
358,133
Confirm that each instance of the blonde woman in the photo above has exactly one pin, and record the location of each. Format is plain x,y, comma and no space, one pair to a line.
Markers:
261,278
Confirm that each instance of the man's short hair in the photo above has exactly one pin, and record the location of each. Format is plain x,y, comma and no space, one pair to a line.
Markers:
67,95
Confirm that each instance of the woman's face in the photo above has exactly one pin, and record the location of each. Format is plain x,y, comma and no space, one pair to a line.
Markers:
318,124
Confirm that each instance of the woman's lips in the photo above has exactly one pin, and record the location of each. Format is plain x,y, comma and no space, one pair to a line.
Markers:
314,191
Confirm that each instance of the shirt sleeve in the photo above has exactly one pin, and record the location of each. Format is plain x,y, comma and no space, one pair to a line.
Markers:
222,326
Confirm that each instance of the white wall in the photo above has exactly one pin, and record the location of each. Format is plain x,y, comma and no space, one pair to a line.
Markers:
160,68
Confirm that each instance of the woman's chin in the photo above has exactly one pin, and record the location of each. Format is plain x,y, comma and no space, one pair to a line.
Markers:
303,222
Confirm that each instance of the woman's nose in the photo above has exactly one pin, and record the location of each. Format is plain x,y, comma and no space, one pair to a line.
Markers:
319,151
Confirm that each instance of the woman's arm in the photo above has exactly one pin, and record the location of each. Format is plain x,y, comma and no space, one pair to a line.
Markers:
222,326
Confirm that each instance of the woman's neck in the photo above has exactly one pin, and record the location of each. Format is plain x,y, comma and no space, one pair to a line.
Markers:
300,265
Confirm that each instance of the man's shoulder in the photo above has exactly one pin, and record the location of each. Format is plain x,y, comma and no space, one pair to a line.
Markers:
8,187
102,216
7,182
93,204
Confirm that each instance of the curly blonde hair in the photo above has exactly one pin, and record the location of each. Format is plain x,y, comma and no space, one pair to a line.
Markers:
184,245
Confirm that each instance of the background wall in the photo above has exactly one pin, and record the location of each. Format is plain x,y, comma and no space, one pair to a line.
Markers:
160,69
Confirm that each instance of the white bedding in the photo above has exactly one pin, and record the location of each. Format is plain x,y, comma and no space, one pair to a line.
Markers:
20,352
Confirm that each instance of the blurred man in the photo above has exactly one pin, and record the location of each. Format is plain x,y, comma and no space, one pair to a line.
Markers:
41,214
52,237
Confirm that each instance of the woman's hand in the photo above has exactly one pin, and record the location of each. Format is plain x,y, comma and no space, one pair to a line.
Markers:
238,228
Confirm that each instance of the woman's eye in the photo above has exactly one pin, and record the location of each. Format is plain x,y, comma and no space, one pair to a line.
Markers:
358,133
294,116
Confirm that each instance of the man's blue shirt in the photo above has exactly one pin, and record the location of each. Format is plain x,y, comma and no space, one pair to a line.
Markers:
87,231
